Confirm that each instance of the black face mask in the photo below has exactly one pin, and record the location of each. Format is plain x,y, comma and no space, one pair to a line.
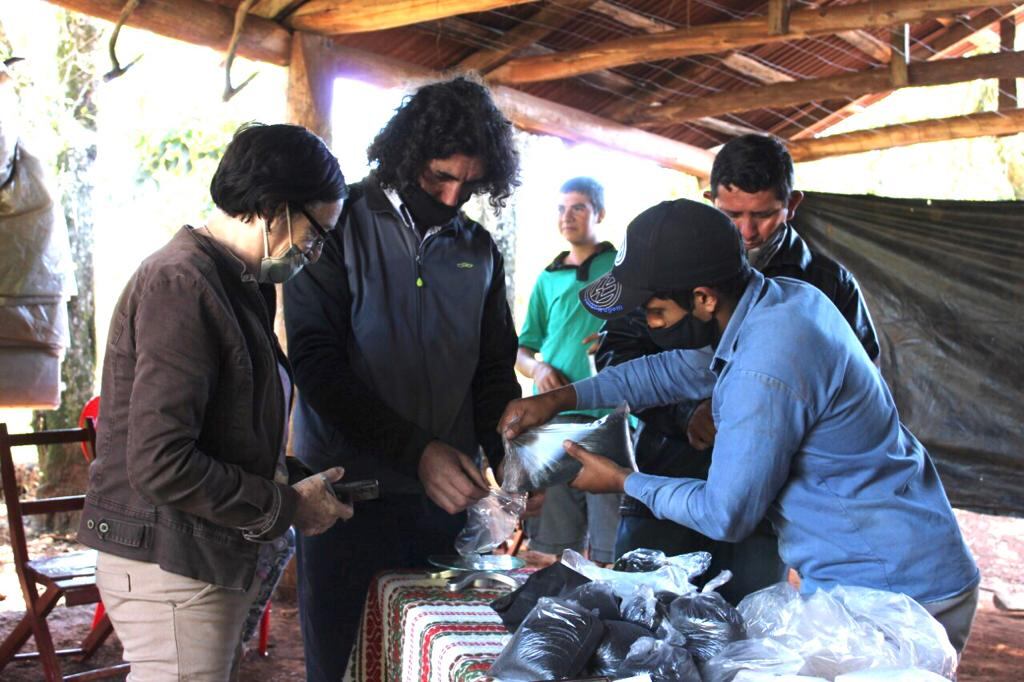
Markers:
687,333
425,209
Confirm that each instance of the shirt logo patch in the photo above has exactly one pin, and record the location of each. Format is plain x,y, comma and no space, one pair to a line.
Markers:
464,265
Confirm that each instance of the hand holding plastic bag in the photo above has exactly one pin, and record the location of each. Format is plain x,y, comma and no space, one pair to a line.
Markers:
535,459
489,522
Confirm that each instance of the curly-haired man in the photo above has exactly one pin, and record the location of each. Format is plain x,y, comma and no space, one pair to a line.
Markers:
403,348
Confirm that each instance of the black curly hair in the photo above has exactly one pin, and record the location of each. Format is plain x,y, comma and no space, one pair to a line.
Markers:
450,117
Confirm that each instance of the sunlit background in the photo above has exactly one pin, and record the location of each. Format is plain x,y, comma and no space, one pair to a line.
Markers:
156,123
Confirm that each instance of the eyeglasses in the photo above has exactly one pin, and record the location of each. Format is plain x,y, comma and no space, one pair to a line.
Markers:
321,232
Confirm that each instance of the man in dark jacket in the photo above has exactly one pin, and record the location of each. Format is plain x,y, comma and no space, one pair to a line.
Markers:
752,183
404,348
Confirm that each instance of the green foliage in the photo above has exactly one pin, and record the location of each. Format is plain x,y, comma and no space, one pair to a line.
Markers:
181,152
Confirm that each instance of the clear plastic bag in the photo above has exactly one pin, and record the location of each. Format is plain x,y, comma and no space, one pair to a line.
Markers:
848,630
489,522
536,460
762,655
663,660
706,620
673,576
555,641
641,560
597,597
642,607
619,637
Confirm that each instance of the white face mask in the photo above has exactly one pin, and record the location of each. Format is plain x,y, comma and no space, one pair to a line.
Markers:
280,269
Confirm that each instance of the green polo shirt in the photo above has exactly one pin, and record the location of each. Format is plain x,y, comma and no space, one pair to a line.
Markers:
556,323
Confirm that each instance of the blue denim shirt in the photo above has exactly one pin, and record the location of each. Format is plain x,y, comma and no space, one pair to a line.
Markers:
809,436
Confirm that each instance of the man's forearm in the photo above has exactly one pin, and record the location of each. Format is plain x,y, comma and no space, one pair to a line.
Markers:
526,361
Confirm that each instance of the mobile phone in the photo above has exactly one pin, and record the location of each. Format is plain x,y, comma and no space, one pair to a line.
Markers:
350,492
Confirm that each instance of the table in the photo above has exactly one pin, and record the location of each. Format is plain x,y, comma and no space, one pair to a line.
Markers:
414,630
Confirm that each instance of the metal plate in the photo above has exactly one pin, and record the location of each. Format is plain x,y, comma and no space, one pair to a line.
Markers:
476,562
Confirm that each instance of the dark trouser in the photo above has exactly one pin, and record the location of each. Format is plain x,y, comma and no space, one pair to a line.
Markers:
754,561
335,570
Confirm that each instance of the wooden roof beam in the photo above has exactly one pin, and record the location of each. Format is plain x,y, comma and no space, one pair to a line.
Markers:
538,115
211,25
989,123
953,41
724,36
335,17
540,24
943,72
208,24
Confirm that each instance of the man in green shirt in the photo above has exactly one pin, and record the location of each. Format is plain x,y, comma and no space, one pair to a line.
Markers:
561,330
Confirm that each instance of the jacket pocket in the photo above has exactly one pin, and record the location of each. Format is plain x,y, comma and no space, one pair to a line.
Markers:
125,533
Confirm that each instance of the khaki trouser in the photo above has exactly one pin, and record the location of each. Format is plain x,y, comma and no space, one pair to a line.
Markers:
173,627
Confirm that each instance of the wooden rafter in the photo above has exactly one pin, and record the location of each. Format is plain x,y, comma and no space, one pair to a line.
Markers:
211,25
540,24
755,68
335,17
208,24
1002,65
723,36
952,41
958,127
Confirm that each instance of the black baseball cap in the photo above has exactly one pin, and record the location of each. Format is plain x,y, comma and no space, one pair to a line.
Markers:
672,246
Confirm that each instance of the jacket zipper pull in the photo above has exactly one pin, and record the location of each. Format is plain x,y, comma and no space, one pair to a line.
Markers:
419,272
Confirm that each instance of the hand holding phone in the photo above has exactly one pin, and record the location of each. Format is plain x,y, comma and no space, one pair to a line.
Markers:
351,492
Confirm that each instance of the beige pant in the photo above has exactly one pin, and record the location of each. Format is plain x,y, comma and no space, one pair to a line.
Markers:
172,627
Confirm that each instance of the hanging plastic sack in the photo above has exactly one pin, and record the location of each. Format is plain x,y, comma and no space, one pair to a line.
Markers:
706,620
661,659
535,459
489,522
619,637
674,576
555,641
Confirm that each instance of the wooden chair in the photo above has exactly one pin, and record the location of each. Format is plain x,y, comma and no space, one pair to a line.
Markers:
71,576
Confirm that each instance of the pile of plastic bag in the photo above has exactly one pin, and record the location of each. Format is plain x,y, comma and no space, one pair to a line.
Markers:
36,271
845,634
576,619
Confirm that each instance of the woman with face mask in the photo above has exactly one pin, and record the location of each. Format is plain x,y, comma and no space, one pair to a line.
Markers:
190,485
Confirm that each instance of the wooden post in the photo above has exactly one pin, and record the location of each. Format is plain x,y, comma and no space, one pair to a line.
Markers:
1007,86
778,17
899,57
311,83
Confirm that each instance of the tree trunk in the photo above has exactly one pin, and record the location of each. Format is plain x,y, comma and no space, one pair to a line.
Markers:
64,468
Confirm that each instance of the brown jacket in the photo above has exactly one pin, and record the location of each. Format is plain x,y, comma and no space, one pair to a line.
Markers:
191,420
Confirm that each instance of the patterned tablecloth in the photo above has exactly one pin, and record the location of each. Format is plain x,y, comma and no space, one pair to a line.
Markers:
414,630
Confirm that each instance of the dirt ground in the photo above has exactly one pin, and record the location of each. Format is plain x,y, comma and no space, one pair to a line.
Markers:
995,652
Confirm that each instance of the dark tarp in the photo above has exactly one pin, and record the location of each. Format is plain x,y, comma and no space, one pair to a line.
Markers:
944,281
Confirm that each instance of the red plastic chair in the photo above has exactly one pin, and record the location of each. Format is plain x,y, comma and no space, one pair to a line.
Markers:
92,411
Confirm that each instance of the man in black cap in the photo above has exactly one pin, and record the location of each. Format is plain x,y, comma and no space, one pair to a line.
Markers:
752,183
808,434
